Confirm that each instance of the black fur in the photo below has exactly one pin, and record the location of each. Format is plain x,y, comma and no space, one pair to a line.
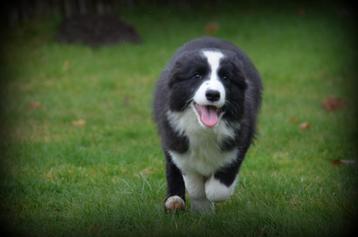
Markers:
178,83
175,180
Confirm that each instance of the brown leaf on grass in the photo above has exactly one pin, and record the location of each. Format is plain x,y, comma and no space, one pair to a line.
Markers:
343,162
294,120
212,28
305,125
332,103
35,105
79,123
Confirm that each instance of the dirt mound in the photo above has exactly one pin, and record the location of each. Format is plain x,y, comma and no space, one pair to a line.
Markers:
96,30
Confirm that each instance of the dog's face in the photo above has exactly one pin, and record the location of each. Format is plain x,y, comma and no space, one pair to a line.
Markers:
211,83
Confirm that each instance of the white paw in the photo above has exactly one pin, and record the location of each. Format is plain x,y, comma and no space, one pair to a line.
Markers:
174,203
216,191
202,206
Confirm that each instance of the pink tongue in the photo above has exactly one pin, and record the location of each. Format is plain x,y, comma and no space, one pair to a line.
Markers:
208,115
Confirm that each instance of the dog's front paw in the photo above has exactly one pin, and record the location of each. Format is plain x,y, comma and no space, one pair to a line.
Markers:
174,203
203,206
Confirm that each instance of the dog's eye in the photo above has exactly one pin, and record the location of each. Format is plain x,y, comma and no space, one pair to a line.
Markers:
225,77
197,76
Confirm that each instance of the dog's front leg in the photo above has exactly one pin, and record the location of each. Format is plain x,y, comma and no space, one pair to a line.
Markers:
195,185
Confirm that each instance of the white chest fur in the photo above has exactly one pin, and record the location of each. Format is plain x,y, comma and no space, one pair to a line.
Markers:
204,155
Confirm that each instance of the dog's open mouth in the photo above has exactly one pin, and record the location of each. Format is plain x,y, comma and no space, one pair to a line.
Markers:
208,115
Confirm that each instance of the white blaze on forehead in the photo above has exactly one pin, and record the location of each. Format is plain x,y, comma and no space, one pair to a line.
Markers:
214,58
212,82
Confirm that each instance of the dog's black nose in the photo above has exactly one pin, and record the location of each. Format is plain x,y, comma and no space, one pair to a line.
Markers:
212,95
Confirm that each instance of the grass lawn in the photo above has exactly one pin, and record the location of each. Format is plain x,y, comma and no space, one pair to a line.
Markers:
83,156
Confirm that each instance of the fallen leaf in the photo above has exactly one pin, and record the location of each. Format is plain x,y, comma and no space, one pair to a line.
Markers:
294,120
305,125
35,105
343,162
331,103
79,123
212,28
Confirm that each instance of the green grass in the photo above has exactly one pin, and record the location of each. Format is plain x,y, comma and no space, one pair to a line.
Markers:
106,178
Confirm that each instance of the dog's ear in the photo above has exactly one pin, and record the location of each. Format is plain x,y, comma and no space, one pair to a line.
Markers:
240,78
174,72
178,71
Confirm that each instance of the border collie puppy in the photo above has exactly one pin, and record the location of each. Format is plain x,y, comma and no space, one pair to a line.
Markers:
205,106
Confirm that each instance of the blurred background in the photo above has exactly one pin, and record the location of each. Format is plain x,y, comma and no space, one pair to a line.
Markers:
79,150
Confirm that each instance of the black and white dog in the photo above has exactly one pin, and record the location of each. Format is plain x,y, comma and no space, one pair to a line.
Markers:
206,104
